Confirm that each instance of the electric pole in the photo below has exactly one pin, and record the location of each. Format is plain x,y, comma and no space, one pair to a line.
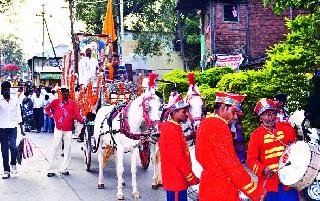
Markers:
42,15
73,39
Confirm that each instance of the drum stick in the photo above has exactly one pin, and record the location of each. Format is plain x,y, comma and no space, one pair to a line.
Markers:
274,172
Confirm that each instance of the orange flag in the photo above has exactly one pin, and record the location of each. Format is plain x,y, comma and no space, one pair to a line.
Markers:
108,24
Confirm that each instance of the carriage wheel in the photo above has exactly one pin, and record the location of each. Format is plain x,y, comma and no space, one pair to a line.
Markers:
144,152
312,192
87,151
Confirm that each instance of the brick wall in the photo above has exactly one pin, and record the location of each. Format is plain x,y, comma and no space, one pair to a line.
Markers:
266,29
230,36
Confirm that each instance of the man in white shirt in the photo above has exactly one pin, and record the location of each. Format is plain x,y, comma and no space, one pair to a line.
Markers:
88,68
10,109
38,110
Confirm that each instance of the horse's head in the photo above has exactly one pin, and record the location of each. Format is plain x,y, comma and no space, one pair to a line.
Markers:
302,126
196,112
151,104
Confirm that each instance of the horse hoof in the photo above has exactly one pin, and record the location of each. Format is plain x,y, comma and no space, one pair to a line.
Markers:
136,195
100,186
123,184
120,197
154,187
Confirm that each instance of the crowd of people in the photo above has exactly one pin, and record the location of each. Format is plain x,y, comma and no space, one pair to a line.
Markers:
33,100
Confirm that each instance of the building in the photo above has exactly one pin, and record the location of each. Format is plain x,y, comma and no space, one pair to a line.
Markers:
46,67
239,27
157,64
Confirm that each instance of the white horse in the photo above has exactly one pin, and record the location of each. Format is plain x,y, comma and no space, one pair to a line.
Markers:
302,125
125,135
195,115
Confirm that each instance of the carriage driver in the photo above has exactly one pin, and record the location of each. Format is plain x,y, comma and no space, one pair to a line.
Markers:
265,148
223,175
177,174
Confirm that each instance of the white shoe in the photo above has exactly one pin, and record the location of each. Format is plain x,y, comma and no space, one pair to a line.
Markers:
13,169
6,175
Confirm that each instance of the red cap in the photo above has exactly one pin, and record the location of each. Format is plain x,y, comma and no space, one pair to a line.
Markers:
178,103
230,99
263,105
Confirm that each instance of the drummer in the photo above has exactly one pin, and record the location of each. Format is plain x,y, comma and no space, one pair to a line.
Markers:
265,148
177,174
223,175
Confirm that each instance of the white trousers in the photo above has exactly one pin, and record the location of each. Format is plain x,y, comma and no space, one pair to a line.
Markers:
57,142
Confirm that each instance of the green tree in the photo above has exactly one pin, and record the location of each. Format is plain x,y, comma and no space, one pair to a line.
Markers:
11,51
153,27
6,5
282,5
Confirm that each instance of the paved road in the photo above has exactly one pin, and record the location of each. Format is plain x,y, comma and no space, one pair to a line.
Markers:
32,184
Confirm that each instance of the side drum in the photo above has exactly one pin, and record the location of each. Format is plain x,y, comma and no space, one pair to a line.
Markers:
299,165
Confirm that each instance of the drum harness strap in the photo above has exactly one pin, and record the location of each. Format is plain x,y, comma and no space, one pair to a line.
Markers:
274,137
287,164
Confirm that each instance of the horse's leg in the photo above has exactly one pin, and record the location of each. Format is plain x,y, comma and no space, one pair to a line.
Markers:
101,167
120,170
158,162
155,167
134,155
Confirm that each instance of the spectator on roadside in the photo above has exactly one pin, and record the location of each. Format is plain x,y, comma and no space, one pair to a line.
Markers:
27,112
38,110
47,121
10,110
65,111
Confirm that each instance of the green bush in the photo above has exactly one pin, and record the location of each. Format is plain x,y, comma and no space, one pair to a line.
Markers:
209,77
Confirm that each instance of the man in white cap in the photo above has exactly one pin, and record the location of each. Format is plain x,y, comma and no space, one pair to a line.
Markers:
88,67
65,111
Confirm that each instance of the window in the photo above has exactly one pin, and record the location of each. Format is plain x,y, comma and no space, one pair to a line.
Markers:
231,13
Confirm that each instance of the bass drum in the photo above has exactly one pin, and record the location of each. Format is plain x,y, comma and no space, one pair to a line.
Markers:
197,169
299,165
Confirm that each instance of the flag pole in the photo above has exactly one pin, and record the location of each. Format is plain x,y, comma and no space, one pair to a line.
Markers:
121,30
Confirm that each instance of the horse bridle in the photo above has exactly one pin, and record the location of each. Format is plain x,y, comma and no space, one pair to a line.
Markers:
124,125
191,118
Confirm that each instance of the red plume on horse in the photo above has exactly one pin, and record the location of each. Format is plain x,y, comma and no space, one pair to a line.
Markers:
193,88
191,79
152,78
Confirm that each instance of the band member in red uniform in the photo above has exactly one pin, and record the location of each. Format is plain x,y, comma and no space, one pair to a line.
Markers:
223,175
265,148
177,174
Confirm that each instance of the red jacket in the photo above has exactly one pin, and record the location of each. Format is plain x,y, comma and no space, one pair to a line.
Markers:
175,157
64,113
264,150
223,174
